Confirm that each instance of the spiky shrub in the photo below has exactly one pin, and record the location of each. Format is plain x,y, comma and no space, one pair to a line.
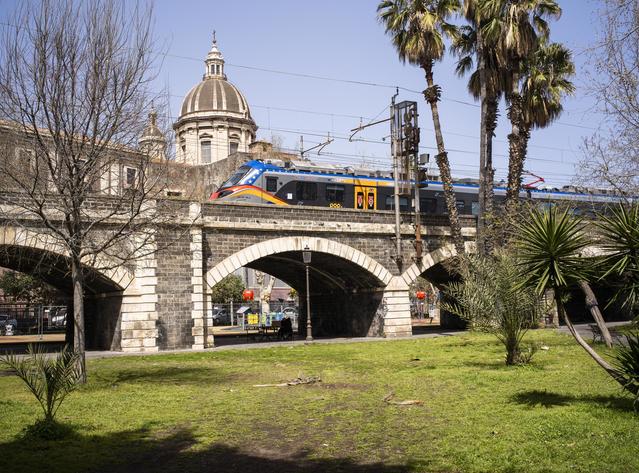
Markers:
492,299
620,242
626,361
49,377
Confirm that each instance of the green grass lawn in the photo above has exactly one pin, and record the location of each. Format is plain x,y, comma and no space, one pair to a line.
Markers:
200,412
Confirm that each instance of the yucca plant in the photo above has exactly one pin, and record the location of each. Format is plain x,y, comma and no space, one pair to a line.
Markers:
627,365
49,377
549,246
620,242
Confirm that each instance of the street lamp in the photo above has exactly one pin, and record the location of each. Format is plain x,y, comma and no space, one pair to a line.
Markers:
306,256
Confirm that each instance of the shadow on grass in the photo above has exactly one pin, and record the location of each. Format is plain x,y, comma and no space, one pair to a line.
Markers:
143,451
534,398
164,375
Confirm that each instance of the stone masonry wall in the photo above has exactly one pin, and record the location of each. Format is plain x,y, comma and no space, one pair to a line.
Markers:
174,290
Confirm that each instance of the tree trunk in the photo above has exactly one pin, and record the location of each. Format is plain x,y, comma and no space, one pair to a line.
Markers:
491,125
516,160
594,355
512,351
483,146
550,299
431,94
593,307
78,315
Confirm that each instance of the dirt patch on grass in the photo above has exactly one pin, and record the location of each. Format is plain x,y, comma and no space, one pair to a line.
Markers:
335,386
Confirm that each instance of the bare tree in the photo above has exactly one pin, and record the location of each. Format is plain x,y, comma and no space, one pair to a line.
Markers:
74,91
612,156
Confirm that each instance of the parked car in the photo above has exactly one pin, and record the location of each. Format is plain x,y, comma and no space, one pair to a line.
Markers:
6,319
58,318
221,317
290,312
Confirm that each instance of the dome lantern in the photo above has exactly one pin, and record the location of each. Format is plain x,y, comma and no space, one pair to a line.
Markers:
214,62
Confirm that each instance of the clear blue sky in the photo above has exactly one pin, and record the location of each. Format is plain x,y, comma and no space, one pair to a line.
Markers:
343,40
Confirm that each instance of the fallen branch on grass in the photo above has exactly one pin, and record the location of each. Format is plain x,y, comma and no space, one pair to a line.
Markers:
294,382
408,402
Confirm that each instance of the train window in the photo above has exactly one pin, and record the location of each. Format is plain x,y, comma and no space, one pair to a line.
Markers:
334,193
428,206
271,184
306,191
403,203
474,208
235,178
461,205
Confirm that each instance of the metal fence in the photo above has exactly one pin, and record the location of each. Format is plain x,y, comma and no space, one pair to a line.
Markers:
250,313
29,319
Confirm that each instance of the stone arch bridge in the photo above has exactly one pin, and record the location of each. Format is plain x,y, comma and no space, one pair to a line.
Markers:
162,301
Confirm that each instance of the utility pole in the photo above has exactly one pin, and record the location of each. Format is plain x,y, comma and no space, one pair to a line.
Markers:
395,152
405,135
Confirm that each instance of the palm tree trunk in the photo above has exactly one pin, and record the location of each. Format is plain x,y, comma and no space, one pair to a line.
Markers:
594,355
483,146
491,125
593,306
432,94
516,160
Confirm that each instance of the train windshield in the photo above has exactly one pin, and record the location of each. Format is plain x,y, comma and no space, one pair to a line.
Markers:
236,177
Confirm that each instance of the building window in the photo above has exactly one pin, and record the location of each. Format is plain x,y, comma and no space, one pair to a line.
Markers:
130,177
233,146
306,191
205,147
335,193
271,184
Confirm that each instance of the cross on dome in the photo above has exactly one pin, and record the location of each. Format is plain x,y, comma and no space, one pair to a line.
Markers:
214,62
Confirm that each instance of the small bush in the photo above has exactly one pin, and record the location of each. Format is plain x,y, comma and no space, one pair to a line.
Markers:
50,378
491,298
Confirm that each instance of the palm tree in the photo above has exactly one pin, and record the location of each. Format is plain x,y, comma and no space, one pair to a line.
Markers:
549,244
515,27
545,82
418,28
486,83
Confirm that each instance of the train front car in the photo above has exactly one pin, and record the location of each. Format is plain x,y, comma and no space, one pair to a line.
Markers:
243,186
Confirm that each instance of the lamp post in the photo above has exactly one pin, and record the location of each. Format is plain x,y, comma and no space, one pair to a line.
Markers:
306,256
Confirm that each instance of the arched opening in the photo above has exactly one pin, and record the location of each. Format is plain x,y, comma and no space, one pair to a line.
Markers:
346,286
436,268
103,296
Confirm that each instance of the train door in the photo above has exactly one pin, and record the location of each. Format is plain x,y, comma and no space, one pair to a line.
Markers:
365,198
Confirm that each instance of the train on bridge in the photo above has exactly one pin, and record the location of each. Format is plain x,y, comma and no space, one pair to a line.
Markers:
305,183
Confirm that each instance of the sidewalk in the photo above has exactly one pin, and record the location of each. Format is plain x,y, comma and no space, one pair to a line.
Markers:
275,344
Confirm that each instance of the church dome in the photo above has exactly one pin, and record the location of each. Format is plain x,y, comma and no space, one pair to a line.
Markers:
214,121
215,94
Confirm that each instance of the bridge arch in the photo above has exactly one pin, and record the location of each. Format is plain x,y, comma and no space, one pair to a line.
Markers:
346,285
17,237
296,244
41,255
432,259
